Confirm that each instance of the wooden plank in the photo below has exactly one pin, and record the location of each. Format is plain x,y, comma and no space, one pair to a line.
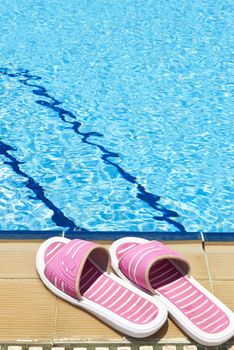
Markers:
17,260
221,263
27,311
224,290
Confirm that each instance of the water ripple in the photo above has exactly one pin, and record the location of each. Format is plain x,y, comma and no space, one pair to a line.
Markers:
24,77
58,217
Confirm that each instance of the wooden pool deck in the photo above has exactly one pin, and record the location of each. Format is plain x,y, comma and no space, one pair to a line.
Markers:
29,313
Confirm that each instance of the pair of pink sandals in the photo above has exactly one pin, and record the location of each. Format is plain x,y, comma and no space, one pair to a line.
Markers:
153,279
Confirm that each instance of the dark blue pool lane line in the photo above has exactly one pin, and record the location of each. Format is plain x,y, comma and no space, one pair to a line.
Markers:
58,217
24,77
111,236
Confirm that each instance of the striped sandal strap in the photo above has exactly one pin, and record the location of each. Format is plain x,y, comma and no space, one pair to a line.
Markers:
65,268
137,262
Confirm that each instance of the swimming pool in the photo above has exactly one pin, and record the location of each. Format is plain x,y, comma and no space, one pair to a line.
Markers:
116,115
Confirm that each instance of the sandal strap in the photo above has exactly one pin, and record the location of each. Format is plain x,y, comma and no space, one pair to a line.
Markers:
137,262
65,268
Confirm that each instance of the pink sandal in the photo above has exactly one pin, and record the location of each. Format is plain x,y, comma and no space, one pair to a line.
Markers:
164,273
79,272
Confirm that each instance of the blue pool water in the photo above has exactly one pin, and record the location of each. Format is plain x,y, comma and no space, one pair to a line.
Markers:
116,115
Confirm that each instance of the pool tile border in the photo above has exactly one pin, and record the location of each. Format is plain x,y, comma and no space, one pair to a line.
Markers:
113,235
113,346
